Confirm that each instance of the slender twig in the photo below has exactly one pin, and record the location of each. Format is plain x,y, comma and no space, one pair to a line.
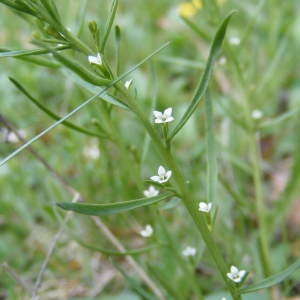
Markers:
129,259
27,286
51,250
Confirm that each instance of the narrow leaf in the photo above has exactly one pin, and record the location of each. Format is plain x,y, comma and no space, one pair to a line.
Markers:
214,51
272,280
114,208
18,53
109,23
52,114
212,172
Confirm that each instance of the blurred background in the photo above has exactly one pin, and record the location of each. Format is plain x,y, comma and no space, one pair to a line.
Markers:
263,38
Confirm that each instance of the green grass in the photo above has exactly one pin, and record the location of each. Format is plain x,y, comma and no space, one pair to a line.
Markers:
216,150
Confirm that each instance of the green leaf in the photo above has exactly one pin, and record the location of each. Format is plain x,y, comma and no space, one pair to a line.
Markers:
109,23
272,280
52,114
214,51
110,209
18,53
212,171
83,104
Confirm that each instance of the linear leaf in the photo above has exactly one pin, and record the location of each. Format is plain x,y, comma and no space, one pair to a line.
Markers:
214,50
18,53
110,209
109,23
52,114
212,170
272,280
83,104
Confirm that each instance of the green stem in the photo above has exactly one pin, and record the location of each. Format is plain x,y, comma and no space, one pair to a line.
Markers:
260,207
257,176
188,201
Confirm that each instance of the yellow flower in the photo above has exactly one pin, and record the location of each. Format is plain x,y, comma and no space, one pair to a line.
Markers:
187,9
221,2
198,3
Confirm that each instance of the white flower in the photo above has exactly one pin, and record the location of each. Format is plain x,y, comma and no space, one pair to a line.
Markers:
11,137
151,192
234,40
163,117
235,274
189,251
205,207
222,61
97,60
163,175
256,114
147,232
128,84
91,151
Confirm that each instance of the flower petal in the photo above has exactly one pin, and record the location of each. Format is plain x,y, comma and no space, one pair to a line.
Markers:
168,112
157,114
161,171
155,178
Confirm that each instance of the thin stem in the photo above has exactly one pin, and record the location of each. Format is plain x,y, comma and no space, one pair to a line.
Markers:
188,201
254,150
260,207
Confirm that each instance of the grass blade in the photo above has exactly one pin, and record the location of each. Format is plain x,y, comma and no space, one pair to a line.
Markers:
272,280
109,23
212,172
52,114
110,209
83,104
20,53
214,50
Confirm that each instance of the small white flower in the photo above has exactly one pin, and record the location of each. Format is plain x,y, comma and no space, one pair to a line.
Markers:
91,151
163,175
234,40
235,274
11,137
205,207
189,251
163,117
97,60
128,84
151,192
222,61
147,232
256,114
